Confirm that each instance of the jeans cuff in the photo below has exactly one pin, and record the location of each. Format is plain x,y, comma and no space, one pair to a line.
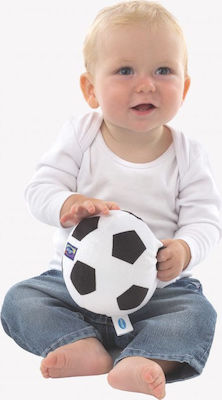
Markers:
189,368
71,338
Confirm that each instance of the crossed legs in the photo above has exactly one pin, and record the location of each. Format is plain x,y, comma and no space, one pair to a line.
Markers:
89,357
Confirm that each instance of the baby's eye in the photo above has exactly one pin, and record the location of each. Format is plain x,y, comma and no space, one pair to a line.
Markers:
163,71
125,71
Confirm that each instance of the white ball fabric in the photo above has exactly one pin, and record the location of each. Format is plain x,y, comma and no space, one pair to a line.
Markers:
113,276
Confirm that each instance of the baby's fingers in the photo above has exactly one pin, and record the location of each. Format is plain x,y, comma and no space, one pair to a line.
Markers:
166,275
100,206
163,254
68,220
88,206
165,265
112,205
80,211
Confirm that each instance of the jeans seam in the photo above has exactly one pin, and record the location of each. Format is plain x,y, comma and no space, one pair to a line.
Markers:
160,356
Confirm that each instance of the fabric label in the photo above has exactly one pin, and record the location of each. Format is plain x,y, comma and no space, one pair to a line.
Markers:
122,325
70,251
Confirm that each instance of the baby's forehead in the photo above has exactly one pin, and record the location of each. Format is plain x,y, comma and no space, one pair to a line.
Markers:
116,36
113,30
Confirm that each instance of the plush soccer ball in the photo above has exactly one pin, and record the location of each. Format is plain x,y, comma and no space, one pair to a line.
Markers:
109,265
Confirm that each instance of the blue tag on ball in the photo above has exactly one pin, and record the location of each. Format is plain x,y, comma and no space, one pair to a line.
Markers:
70,251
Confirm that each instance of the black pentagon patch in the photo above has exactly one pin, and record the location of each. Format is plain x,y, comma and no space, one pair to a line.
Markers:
127,246
83,278
132,298
85,226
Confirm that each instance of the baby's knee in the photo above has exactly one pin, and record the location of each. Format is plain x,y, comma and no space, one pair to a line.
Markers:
203,314
205,308
13,305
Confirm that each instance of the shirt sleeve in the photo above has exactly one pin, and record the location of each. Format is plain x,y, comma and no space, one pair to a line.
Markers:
55,177
199,207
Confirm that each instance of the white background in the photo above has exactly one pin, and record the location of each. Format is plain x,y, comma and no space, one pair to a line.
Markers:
40,64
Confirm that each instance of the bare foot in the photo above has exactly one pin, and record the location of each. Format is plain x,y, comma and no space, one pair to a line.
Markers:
138,374
81,358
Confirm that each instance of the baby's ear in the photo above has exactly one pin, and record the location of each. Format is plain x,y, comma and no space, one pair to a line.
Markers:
186,86
87,86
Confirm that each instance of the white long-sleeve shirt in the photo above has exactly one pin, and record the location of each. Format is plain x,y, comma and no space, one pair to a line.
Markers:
174,194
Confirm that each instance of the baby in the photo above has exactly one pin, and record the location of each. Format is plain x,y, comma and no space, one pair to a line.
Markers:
127,157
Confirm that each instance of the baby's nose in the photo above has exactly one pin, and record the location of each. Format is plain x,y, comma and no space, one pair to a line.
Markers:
145,85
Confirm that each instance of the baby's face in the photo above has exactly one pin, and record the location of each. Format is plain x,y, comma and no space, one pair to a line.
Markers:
139,77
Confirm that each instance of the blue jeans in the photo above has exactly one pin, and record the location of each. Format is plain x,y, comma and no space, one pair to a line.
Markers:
177,324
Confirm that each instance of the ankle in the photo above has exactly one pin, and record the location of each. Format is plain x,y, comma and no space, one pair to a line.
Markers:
167,366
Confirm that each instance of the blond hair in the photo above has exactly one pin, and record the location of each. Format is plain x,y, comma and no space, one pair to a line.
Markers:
125,13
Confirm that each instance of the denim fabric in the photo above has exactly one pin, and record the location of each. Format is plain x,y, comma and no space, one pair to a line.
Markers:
178,323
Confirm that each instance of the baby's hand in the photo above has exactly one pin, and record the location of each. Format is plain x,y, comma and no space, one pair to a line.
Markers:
172,259
83,207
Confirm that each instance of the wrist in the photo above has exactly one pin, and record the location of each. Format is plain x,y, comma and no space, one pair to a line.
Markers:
69,202
187,252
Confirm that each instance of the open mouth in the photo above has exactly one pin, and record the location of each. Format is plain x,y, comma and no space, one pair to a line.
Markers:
144,107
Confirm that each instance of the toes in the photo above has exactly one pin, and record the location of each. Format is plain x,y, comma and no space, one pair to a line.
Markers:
51,360
44,370
156,381
45,374
48,364
158,388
